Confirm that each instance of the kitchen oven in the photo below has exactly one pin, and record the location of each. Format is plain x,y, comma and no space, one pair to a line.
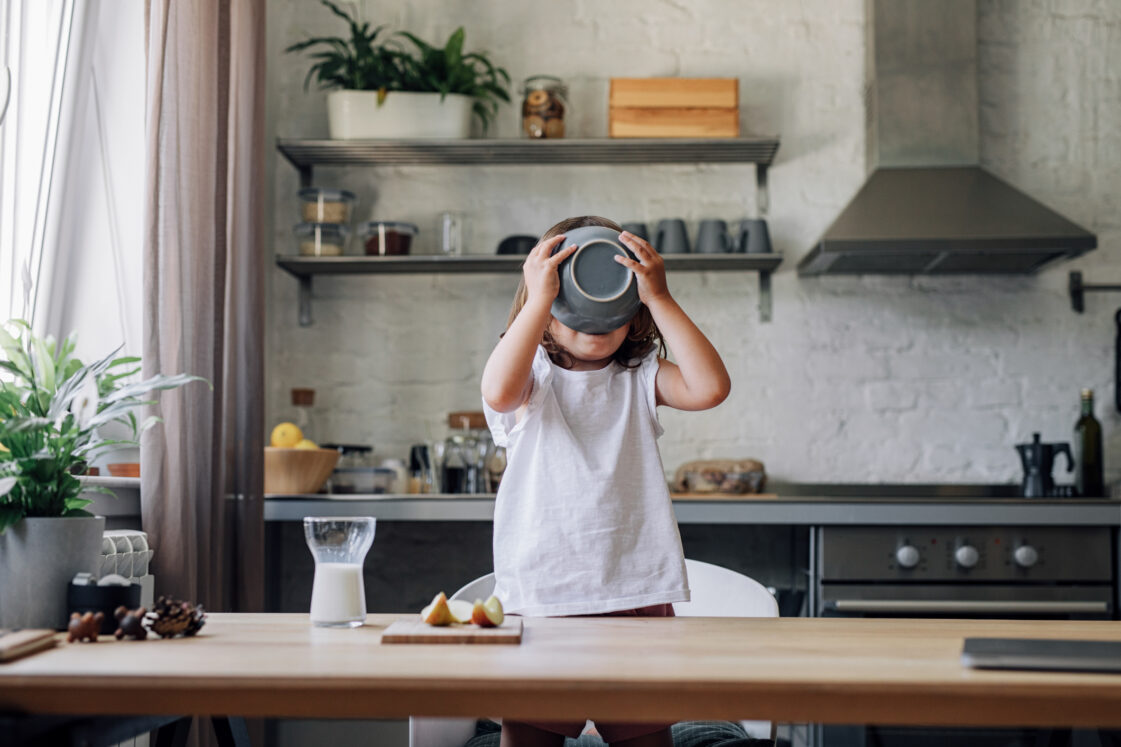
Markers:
1034,572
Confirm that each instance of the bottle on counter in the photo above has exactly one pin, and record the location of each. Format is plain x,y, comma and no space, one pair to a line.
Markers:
422,478
1089,479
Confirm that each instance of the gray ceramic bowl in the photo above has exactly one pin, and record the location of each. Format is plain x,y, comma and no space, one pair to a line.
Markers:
597,294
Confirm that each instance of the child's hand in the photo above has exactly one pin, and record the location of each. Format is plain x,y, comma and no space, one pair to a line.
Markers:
649,270
542,281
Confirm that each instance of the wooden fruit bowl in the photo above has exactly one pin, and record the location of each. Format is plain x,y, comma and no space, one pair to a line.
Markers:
295,471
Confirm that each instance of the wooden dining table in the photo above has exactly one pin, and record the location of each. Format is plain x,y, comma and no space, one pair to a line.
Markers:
824,670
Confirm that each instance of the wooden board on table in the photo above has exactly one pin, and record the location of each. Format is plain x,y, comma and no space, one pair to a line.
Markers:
724,496
17,643
417,631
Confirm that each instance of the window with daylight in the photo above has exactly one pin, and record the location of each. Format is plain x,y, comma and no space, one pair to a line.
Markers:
72,169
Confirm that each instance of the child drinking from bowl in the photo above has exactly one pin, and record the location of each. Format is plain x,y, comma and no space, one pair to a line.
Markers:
583,523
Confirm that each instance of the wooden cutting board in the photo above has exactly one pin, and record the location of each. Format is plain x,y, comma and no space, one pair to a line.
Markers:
417,631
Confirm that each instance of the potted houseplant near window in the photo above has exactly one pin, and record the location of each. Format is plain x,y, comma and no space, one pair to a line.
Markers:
51,408
387,91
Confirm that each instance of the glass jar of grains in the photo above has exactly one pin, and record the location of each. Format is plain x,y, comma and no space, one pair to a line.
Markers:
544,107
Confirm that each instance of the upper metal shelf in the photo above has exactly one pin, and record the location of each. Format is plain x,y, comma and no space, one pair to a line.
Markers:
305,154
425,263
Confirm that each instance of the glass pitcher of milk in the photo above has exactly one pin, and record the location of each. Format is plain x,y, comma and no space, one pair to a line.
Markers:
339,545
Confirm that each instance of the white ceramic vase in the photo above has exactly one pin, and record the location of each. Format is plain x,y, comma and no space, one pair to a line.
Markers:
39,557
356,115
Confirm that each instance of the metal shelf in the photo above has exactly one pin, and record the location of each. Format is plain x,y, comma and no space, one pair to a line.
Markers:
306,268
306,154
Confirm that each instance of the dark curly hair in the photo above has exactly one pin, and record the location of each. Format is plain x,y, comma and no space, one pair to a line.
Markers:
643,335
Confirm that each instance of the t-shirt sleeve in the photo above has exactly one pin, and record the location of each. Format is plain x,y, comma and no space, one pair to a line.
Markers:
503,425
647,373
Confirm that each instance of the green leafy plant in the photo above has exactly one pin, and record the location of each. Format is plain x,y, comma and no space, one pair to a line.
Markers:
358,63
51,407
361,62
447,70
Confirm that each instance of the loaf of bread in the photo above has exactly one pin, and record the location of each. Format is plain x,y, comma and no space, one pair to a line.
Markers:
731,476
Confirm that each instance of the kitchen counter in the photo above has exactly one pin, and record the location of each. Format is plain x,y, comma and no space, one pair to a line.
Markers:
790,504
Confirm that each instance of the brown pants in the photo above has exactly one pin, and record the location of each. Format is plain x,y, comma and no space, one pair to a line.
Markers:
609,731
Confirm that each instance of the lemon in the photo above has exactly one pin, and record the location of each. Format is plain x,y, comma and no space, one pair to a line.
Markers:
307,443
286,436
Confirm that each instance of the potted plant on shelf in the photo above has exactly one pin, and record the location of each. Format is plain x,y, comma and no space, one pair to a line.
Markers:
385,91
51,408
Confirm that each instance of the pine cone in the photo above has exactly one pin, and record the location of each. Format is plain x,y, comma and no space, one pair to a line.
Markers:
171,617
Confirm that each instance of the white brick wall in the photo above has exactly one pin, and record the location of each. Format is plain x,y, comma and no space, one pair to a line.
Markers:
857,379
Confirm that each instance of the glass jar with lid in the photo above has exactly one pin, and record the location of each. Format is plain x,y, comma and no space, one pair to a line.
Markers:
544,106
465,453
322,205
354,460
321,239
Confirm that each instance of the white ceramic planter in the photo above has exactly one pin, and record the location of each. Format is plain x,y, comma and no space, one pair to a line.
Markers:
38,558
356,115
114,431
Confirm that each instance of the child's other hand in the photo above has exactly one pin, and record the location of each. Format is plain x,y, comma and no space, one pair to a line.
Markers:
649,270
542,281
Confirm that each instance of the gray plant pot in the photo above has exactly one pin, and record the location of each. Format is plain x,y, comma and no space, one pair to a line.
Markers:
38,558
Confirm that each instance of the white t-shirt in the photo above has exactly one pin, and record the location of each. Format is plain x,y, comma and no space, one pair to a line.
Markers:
583,522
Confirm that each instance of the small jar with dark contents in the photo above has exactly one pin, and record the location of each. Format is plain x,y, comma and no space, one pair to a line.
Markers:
544,107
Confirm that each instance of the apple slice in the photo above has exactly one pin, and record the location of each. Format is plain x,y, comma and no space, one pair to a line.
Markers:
437,613
461,610
487,614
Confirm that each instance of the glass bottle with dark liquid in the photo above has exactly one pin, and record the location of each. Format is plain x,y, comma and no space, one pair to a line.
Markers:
460,473
1088,450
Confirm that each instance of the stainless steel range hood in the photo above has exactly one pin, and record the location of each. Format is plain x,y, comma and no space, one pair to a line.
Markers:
927,207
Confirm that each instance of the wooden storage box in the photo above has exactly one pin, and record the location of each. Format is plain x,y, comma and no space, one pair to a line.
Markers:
674,107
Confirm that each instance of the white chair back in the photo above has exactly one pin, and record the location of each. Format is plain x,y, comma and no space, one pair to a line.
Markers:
715,592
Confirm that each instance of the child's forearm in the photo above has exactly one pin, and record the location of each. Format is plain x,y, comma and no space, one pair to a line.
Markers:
704,381
506,376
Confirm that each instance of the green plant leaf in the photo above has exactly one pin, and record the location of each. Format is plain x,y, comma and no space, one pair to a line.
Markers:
453,50
15,354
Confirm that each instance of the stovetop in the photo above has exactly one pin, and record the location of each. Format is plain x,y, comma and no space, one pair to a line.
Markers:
913,491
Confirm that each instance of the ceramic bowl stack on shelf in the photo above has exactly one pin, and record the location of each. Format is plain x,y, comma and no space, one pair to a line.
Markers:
325,227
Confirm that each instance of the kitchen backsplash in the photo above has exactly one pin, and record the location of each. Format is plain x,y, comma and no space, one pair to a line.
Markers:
856,379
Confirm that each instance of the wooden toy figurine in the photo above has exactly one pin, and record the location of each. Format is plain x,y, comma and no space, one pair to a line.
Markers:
130,623
84,627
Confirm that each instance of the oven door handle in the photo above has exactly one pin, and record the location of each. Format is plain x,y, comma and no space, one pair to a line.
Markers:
968,606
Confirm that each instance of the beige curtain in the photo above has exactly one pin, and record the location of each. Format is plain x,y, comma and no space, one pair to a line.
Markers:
201,471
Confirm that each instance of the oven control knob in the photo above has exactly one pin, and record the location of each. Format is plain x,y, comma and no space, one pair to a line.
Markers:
967,556
1025,556
907,556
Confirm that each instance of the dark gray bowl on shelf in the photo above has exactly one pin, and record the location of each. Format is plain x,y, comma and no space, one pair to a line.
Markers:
517,244
597,294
